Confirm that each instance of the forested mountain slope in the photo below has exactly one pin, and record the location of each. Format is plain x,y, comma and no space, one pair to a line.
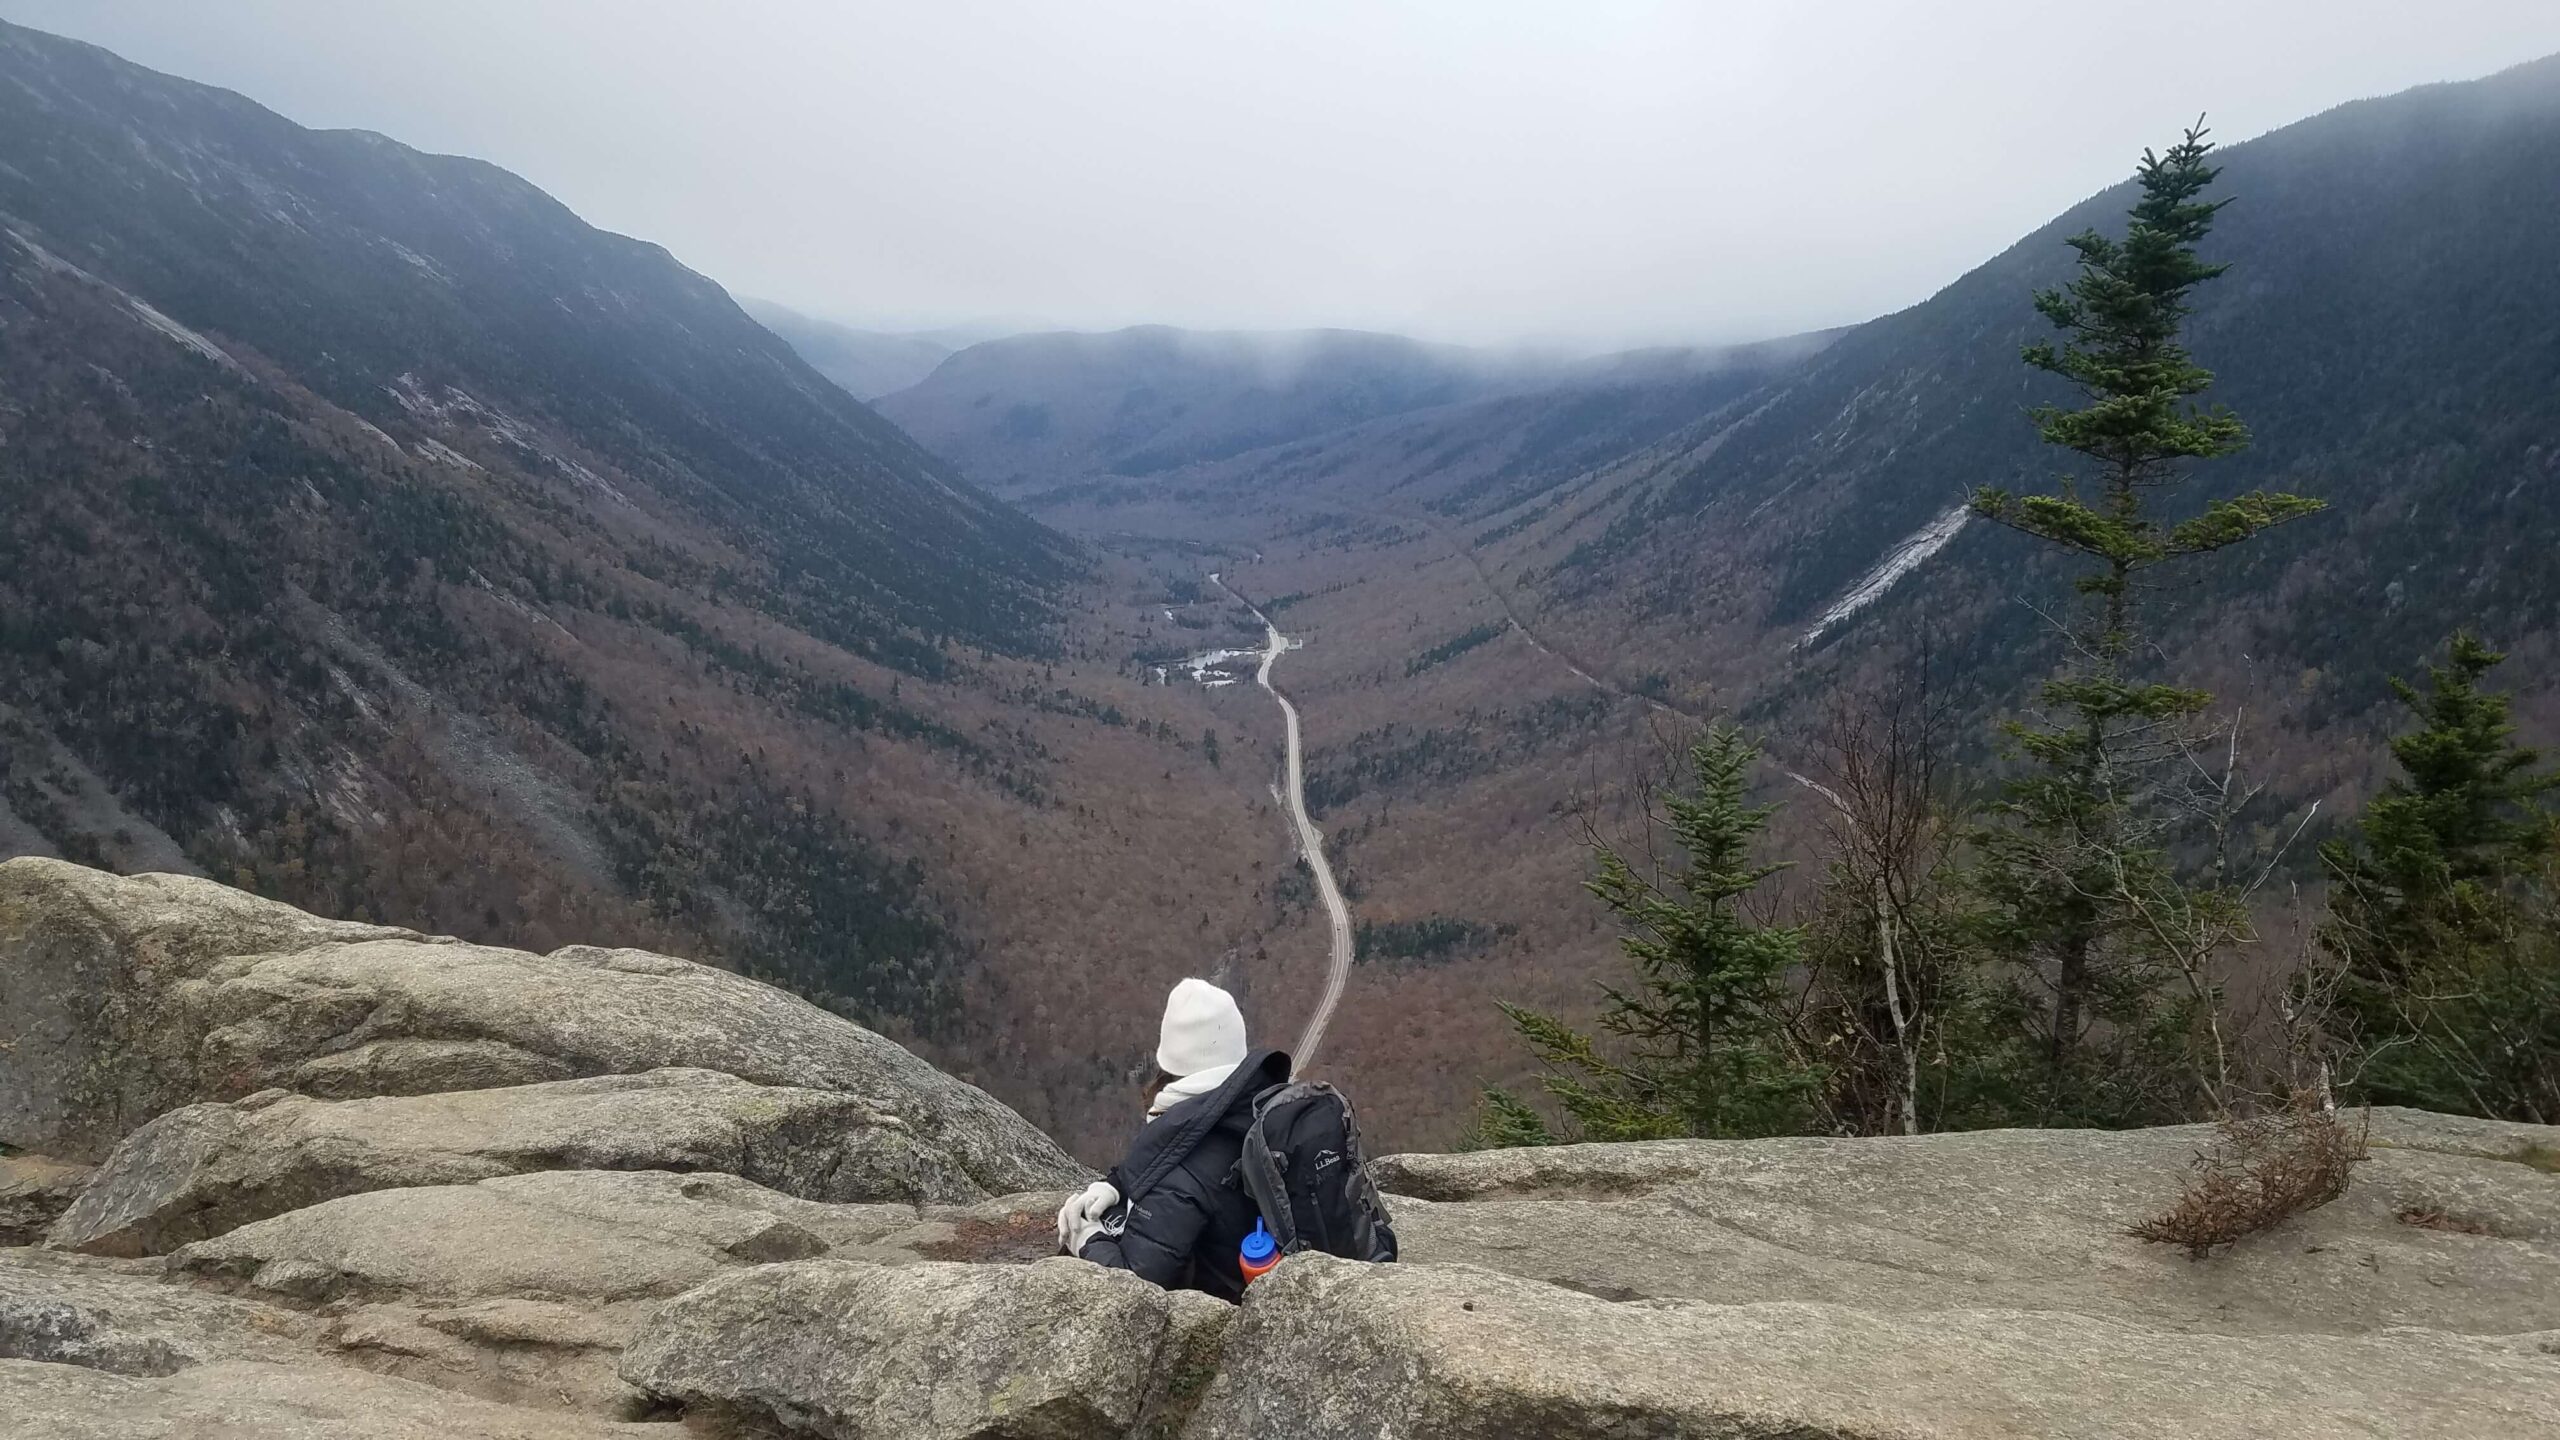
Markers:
2389,329
376,534
1142,401
309,434
1522,455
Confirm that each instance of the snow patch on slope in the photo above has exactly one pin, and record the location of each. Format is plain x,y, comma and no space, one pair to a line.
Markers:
178,332
444,454
142,309
460,406
1904,558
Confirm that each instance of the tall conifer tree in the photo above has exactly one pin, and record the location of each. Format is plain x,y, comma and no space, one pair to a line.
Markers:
2441,910
2083,825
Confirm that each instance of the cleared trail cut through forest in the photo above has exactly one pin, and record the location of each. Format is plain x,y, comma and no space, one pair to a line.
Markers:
1310,841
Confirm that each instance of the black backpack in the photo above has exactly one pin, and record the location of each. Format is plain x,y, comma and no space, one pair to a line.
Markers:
1303,1167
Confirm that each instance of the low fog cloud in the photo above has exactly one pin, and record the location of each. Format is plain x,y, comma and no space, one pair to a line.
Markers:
1598,173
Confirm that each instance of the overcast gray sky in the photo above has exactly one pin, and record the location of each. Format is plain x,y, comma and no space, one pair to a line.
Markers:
1475,170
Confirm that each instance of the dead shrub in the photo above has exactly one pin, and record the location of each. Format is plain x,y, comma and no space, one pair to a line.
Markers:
2430,1217
2258,1171
1007,1240
2544,1158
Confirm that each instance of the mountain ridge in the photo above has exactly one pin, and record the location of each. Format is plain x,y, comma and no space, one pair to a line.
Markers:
1147,399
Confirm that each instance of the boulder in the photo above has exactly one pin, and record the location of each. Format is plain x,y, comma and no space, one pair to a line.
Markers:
124,997
204,1169
535,1353
34,1189
86,963
238,1400
2442,1228
411,1283
852,1351
1328,1350
2395,1127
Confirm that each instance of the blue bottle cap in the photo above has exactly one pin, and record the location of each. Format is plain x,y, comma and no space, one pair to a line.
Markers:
1258,1246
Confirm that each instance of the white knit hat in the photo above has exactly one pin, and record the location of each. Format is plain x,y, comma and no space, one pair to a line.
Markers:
1203,1030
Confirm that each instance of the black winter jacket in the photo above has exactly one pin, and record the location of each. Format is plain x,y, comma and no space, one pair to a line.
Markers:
1184,1210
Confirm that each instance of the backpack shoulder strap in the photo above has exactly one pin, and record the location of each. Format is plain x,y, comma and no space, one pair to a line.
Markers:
1250,1079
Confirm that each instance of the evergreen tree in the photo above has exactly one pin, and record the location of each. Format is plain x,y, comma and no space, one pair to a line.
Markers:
1504,1120
2442,908
2085,828
2436,849
1705,1024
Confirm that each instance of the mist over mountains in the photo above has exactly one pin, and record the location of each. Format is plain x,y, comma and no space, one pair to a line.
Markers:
1151,399
867,363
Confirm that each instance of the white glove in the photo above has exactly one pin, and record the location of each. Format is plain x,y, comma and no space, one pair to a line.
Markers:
1081,1218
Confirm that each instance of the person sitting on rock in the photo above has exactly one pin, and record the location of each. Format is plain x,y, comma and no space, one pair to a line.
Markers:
1175,1211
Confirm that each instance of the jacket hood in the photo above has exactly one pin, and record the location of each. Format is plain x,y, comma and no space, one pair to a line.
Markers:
1173,1135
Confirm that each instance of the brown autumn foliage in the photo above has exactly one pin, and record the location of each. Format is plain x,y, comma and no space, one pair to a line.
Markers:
2260,1171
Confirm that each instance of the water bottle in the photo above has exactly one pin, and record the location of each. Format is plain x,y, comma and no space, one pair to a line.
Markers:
1259,1255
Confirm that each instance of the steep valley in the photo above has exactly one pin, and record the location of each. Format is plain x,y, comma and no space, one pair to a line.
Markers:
586,857
1515,604
378,536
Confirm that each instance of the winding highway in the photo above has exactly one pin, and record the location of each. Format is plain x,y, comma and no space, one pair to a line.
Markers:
1310,843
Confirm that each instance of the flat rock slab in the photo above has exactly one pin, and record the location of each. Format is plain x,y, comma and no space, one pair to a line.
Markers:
124,997
584,1237
1328,1350
243,1400
1008,1230
2010,1219
123,1318
1627,1169
410,1282
1057,1350
205,1169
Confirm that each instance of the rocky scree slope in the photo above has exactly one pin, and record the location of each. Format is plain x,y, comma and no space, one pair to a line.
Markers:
311,1178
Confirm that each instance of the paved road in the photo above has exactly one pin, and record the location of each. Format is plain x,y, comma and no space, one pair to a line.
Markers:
1311,840
1310,843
